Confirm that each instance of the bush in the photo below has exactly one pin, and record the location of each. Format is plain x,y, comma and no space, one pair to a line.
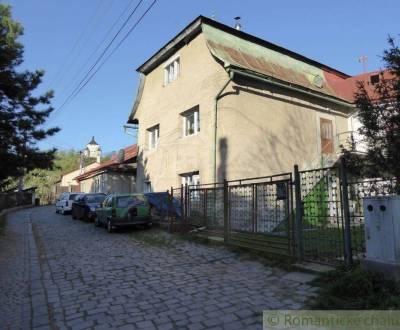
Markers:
354,288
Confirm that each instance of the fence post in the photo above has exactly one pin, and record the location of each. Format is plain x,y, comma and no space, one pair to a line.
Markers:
346,213
299,215
226,212
187,206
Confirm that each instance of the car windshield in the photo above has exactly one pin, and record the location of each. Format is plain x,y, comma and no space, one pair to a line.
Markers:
95,198
126,201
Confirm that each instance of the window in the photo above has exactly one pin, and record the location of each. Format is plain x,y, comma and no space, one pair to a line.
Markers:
191,122
326,132
171,71
98,198
108,201
154,135
147,187
128,201
374,79
191,179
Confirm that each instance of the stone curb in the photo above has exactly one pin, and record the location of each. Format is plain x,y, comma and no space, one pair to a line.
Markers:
14,209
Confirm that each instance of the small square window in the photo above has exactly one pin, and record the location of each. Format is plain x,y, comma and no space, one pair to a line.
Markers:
171,71
374,79
154,136
191,122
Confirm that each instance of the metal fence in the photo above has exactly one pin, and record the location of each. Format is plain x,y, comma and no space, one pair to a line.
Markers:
313,215
322,221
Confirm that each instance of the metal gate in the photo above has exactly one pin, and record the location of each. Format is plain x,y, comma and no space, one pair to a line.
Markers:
254,213
322,226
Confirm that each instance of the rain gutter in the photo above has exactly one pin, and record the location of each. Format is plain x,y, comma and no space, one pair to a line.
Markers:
291,87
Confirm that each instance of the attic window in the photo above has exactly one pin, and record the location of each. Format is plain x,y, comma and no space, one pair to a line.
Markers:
374,79
171,71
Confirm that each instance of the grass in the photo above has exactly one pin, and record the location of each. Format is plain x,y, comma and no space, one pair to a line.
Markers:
160,238
354,288
329,242
155,237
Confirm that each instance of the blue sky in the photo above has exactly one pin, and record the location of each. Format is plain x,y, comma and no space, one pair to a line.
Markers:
61,35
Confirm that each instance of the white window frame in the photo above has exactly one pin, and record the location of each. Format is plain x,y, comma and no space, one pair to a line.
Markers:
191,178
153,132
172,70
196,117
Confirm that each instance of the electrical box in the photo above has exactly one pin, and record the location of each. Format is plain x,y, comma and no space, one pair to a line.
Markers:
382,229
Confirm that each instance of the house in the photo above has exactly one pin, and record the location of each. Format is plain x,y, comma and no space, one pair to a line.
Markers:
116,175
217,103
67,182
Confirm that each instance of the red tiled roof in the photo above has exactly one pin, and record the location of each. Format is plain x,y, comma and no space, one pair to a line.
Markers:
346,88
130,153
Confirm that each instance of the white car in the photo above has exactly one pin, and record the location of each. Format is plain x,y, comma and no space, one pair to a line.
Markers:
64,202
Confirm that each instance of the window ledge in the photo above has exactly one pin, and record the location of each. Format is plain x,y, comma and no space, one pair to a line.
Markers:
191,135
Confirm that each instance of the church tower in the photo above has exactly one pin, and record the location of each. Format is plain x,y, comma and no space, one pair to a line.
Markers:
93,150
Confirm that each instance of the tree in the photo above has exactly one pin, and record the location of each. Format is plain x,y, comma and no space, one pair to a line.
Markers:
45,179
379,115
22,114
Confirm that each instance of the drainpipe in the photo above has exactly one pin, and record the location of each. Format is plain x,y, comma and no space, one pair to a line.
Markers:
231,73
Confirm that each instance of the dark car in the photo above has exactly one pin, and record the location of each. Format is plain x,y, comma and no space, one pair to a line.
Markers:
84,207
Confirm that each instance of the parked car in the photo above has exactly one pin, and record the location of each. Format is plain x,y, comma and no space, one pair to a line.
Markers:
64,202
120,210
84,206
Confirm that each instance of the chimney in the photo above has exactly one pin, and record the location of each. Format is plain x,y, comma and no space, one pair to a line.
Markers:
238,26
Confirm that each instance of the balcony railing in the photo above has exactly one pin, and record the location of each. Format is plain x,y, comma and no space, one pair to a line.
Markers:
349,140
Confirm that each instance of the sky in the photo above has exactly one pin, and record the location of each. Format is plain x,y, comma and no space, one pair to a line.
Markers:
65,37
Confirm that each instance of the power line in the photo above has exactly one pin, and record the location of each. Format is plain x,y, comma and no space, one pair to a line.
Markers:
101,55
112,52
82,67
76,43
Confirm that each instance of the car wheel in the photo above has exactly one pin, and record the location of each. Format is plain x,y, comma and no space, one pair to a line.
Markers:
109,227
148,225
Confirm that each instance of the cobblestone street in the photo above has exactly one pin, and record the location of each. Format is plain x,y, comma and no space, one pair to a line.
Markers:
59,273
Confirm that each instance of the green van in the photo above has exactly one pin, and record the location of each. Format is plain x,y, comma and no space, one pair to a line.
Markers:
119,210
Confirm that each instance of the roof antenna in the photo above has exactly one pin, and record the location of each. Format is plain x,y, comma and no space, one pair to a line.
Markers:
238,26
364,61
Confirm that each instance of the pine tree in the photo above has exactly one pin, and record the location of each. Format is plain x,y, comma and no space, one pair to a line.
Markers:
22,114
379,115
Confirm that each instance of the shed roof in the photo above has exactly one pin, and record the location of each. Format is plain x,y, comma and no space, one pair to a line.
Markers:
130,153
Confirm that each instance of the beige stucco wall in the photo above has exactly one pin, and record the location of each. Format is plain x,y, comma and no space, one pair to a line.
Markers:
261,131
68,179
109,183
200,79
264,130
